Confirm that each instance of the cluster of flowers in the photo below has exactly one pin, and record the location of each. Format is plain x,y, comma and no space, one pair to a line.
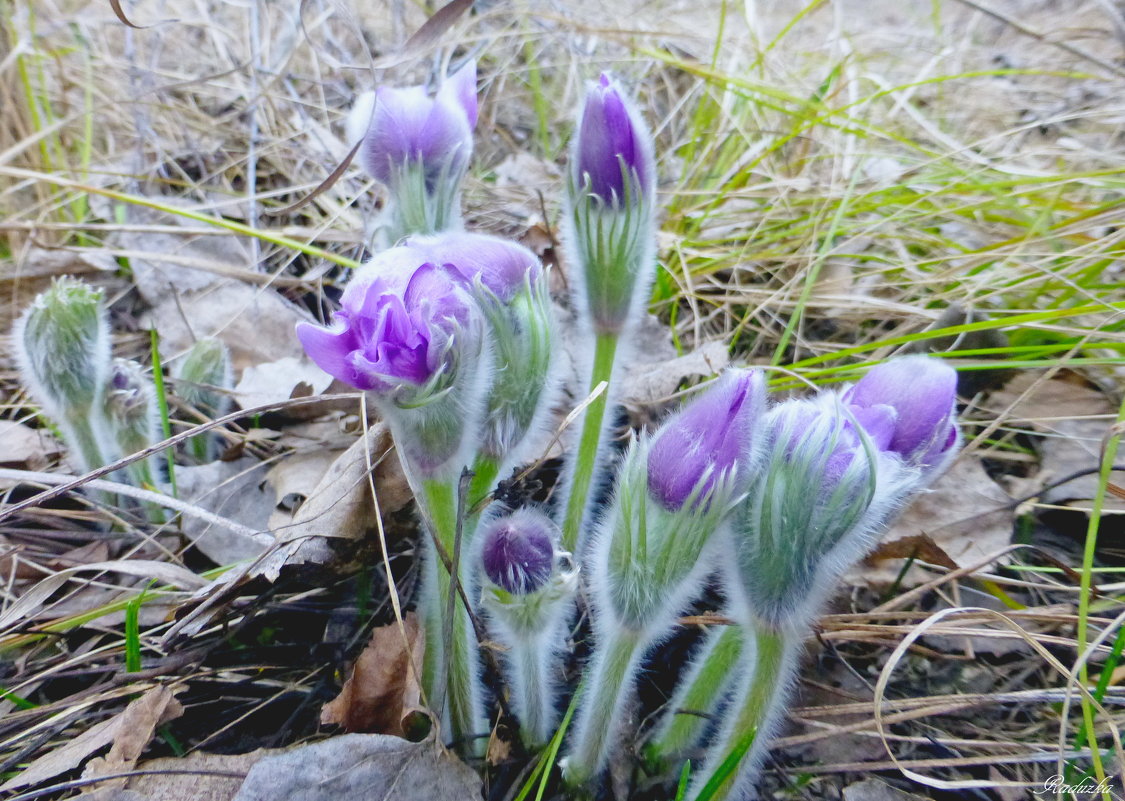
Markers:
452,335
105,408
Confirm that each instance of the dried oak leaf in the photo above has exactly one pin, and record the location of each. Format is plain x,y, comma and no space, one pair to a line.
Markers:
382,694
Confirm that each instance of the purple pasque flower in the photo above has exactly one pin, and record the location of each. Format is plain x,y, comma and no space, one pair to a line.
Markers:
503,267
518,551
408,126
397,323
908,406
706,440
613,157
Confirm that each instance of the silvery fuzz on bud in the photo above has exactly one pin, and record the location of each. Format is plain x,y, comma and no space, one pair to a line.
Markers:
836,468
131,406
823,484
527,589
610,208
62,348
419,147
674,491
511,289
203,374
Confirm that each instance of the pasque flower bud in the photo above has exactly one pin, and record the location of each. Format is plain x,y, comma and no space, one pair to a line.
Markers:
527,588
62,342
610,199
518,551
202,375
62,348
419,147
834,470
908,406
706,440
131,406
648,557
822,485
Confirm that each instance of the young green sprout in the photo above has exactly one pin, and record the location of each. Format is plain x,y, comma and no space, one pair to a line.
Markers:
63,352
203,381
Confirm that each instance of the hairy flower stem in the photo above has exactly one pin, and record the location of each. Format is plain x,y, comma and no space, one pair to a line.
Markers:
485,470
609,685
761,696
452,663
593,434
533,699
698,696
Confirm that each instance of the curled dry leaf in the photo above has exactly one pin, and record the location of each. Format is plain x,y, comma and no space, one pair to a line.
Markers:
382,692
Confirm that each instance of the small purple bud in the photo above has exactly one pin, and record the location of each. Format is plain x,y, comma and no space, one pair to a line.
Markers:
613,144
706,440
518,551
406,125
908,406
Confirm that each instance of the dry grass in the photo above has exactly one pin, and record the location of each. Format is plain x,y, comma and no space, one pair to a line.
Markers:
840,182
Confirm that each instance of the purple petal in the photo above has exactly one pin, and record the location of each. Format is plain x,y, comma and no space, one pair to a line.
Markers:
501,265
329,349
461,88
923,392
706,439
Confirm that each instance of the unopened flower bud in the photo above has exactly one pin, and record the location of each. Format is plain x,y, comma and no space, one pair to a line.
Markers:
706,441
131,406
518,552
203,374
62,344
610,198
908,405
527,590
419,147
822,486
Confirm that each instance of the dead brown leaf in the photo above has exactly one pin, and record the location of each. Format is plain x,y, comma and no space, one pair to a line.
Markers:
25,447
158,703
382,689
138,724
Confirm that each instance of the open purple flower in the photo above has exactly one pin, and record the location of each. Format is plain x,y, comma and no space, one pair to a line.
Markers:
908,406
518,551
706,440
397,320
613,144
409,332
407,125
